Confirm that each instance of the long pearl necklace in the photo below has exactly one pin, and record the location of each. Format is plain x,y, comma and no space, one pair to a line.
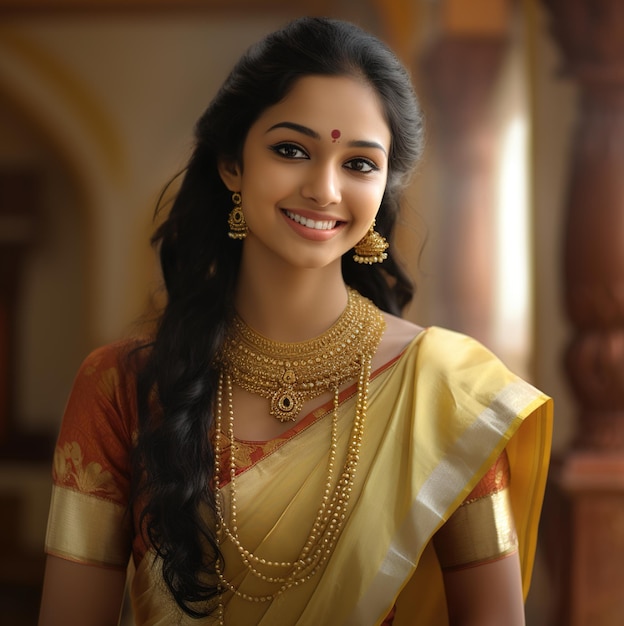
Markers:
334,502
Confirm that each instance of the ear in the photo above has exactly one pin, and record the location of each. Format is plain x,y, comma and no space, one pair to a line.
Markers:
230,173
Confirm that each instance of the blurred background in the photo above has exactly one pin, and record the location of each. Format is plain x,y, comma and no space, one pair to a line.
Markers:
513,227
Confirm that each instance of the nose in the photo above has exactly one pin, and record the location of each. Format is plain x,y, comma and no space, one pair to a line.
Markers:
322,185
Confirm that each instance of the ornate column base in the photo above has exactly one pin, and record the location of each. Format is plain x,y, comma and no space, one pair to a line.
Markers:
595,483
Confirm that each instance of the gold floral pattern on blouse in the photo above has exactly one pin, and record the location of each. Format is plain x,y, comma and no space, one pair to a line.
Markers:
70,470
109,382
245,453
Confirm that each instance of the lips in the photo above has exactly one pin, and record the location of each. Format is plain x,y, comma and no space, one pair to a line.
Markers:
310,223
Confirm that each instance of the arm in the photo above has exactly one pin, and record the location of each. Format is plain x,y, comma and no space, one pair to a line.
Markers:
89,522
80,595
486,595
478,551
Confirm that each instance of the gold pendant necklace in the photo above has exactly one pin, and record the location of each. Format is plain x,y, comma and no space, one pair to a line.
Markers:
289,374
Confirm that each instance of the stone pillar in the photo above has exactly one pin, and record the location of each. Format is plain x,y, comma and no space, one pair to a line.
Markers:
591,36
459,73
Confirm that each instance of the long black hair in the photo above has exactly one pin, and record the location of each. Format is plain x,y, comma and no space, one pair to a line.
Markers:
176,385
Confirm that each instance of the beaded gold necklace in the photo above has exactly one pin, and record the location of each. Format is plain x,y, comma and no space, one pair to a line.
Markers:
289,374
367,325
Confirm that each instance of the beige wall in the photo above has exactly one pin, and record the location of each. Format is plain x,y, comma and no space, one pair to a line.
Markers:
106,108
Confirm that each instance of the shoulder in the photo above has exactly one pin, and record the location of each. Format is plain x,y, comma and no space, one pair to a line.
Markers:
100,419
401,329
445,358
109,371
439,345
450,348
124,356
449,359
469,373
115,354
398,335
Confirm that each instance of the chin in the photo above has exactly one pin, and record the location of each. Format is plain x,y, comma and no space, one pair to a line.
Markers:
315,261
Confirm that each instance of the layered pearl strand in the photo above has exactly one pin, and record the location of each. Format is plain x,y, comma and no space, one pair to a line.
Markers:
331,514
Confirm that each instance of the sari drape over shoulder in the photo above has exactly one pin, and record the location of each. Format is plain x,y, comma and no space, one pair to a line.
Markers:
438,417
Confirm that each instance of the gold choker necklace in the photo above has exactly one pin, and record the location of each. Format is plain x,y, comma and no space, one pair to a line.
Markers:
344,351
289,374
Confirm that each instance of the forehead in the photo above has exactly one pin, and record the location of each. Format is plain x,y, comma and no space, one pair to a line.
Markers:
327,103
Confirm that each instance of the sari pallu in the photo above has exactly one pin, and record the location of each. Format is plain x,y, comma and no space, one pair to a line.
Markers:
437,419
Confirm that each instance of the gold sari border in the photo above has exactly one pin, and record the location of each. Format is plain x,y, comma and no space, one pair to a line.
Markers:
443,491
81,561
480,531
79,529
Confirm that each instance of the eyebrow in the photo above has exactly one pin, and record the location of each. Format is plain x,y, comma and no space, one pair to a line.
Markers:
304,130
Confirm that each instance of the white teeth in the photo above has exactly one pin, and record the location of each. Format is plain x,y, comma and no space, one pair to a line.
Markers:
308,223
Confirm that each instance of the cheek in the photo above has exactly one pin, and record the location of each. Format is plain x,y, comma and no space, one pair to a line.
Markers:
267,181
369,199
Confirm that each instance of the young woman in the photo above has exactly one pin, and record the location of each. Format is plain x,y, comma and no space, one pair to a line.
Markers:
285,449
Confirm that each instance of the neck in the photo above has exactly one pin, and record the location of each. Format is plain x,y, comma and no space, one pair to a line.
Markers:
290,304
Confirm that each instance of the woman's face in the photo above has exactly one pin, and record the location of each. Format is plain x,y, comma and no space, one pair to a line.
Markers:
314,170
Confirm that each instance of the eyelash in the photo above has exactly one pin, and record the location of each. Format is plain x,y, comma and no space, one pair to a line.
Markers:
281,148
370,164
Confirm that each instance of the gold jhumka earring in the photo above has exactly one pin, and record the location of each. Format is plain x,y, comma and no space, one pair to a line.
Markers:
371,248
236,218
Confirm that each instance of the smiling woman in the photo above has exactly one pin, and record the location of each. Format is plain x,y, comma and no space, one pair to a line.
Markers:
308,200
286,449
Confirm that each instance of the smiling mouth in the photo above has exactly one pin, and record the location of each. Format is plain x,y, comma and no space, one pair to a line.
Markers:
313,224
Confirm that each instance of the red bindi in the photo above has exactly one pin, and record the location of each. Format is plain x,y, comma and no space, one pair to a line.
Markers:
335,135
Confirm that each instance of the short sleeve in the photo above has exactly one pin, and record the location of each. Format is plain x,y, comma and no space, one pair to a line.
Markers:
482,529
89,521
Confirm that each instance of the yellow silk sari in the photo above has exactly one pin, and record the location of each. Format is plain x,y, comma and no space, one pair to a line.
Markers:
438,417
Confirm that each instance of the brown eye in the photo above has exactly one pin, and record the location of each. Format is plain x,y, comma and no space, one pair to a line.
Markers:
361,165
289,151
